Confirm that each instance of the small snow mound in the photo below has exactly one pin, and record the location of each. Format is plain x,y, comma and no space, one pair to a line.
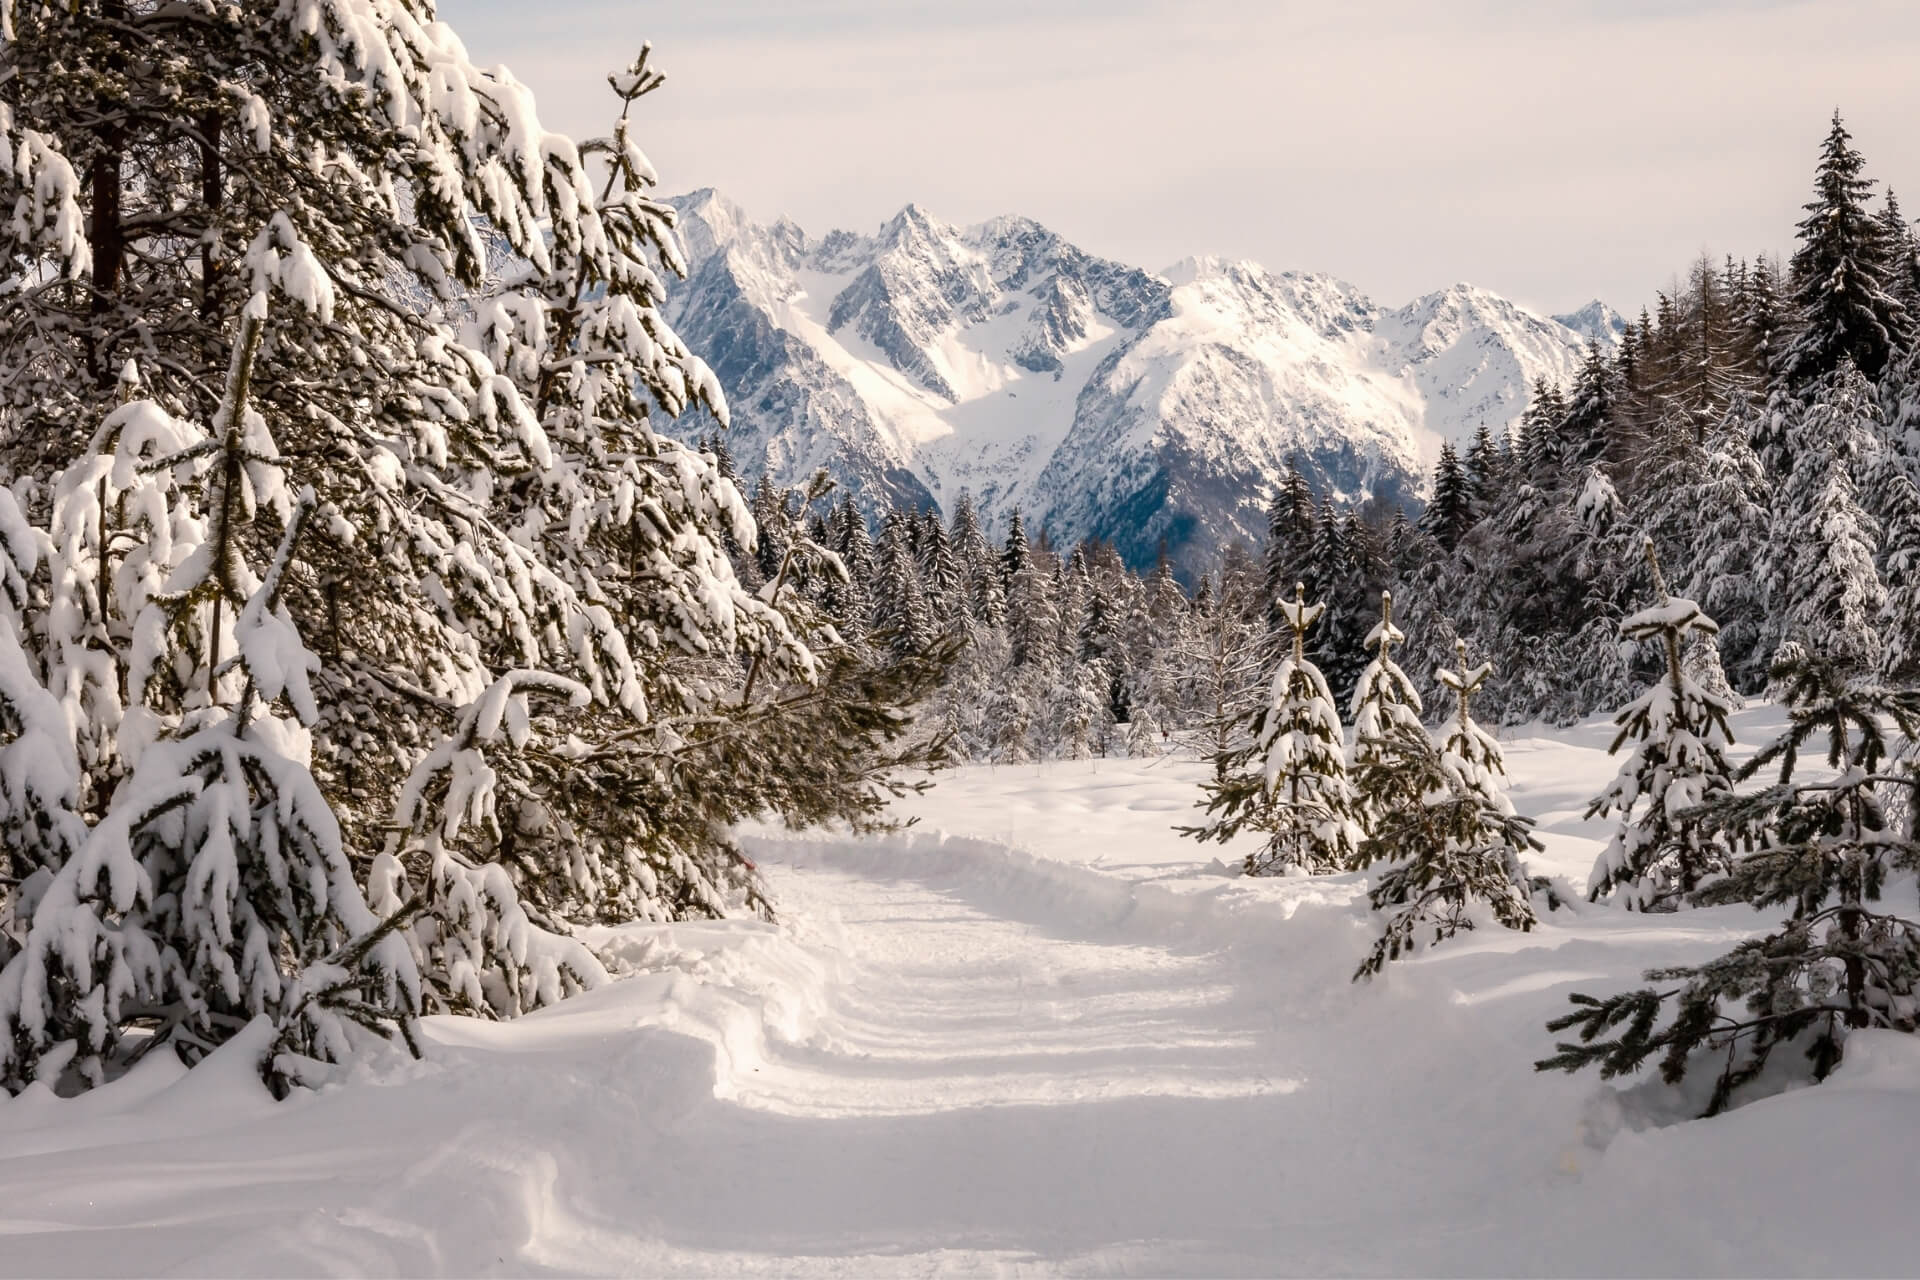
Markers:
1880,1059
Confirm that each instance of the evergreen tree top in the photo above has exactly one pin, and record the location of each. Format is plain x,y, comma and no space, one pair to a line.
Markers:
1671,614
1300,617
1464,680
1841,272
1384,634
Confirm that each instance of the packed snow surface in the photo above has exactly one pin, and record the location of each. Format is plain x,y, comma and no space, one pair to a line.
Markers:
1037,1033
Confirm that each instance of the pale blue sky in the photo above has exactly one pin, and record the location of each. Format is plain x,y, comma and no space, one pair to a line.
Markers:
1553,150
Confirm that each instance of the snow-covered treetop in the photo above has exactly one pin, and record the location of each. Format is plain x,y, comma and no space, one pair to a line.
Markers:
1384,634
1674,614
1464,680
1300,617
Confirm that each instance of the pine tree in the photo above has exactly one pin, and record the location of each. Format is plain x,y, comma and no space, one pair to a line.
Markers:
1445,825
1542,452
1290,780
1033,615
1363,576
1830,592
1822,848
1156,637
1900,616
1727,550
1842,270
1291,524
1481,761
900,611
1486,472
1073,593
1080,714
1450,514
1586,428
216,886
1014,554
771,521
1762,321
1903,256
850,602
1384,698
1100,642
1385,706
1659,855
946,584
985,594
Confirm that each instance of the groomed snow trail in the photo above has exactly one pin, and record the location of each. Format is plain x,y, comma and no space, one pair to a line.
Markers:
941,1004
1054,1074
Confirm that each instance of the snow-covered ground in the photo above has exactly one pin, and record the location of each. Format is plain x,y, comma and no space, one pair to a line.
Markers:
1037,1033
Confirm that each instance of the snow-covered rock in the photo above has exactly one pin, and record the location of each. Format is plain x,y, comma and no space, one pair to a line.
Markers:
1101,399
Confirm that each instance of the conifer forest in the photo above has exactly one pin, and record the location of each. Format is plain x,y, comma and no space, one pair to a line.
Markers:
509,764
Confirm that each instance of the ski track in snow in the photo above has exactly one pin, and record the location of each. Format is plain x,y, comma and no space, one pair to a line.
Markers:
1087,1054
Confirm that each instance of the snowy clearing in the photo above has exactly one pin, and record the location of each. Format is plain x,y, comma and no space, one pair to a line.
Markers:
1037,1033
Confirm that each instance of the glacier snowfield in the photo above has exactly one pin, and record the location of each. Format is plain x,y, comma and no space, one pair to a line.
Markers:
1034,1034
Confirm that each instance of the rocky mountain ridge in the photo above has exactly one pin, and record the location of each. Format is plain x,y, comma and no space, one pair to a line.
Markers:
1101,399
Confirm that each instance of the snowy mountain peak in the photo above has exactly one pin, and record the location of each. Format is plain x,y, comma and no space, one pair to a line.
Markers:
708,221
1104,400
1596,322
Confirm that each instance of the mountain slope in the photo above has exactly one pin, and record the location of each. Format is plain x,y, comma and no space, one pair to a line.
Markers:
1101,399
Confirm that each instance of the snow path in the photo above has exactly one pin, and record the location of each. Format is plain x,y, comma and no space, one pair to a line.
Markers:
956,1057
943,1006
1070,1085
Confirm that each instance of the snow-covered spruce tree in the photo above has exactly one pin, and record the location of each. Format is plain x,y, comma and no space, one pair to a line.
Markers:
984,590
40,780
466,378
1842,273
1015,556
1488,466
1729,546
1453,845
771,518
1903,256
1450,514
215,886
1482,763
1291,524
1347,559
850,602
1821,847
940,571
1385,706
1837,595
1660,854
1441,817
1900,615
900,608
1289,781
1823,589
1704,503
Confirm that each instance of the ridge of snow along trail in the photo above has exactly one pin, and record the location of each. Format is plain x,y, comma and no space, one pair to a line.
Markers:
1037,1033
